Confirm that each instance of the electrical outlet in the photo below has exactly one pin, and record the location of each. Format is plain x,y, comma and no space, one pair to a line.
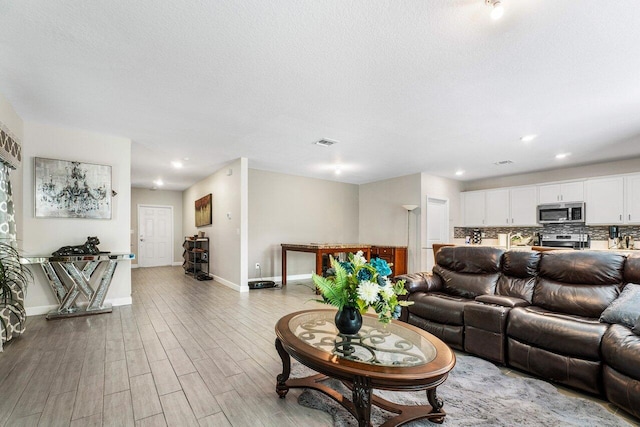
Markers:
257,265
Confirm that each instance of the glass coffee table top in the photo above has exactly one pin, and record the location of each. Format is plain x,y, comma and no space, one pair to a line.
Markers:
376,343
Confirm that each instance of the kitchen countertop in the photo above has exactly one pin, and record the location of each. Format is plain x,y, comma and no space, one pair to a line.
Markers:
596,245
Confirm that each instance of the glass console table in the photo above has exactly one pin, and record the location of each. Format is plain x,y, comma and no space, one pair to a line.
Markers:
70,276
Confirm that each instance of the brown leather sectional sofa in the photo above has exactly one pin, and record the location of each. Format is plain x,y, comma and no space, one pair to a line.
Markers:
537,312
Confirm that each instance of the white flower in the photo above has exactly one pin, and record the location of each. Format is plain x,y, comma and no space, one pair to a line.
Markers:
387,292
359,259
368,292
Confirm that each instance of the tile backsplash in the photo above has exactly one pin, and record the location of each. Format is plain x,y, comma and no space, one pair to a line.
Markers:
595,232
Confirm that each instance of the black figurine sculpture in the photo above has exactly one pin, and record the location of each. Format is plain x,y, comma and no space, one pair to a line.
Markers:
90,247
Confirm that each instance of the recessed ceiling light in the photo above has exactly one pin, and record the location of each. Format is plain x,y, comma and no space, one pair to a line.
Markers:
562,155
158,182
176,164
325,142
497,9
528,138
459,172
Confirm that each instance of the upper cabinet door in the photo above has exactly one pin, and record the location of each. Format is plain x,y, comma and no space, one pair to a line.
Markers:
558,193
497,207
523,206
605,201
632,211
549,193
572,192
473,208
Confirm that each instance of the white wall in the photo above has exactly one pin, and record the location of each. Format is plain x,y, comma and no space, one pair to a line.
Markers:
440,188
145,196
383,220
44,235
10,120
227,246
577,172
294,209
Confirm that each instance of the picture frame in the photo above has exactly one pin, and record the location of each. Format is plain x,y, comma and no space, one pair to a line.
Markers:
72,189
204,211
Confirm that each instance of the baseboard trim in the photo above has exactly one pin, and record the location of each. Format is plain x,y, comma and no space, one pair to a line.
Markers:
44,309
177,264
289,277
230,284
134,265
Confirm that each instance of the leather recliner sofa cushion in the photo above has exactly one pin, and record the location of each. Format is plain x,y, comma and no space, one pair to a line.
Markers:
468,272
451,334
621,350
519,269
578,283
573,371
622,390
559,333
438,307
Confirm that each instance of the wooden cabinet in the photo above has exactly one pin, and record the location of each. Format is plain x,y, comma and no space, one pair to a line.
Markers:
473,208
562,192
632,199
396,255
604,203
196,257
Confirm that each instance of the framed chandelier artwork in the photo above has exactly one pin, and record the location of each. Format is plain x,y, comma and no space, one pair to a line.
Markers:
68,189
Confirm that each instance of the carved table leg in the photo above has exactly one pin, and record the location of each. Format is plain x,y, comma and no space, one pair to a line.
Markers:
436,403
362,400
281,386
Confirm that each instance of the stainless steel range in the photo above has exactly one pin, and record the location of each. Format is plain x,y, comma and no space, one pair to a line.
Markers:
568,241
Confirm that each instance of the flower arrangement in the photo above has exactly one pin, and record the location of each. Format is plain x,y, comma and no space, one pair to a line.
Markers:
361,284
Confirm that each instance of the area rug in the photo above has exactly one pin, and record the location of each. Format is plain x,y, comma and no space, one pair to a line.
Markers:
477,393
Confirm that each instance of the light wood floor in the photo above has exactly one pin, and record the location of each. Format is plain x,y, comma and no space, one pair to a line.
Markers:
185,353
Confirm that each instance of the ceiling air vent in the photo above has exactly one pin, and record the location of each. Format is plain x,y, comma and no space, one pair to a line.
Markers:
503,162
324,142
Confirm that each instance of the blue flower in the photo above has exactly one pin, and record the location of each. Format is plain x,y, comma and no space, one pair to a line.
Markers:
364,275
381,266
347,266
396,312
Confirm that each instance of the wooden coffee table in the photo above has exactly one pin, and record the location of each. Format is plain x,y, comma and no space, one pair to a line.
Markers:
397,356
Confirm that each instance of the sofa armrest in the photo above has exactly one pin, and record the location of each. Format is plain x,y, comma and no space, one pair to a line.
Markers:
502,300
420,282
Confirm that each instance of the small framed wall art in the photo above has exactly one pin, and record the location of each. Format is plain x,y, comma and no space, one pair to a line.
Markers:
68,189
203,211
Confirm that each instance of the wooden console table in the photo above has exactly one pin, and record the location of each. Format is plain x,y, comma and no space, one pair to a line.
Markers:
320,249
68,281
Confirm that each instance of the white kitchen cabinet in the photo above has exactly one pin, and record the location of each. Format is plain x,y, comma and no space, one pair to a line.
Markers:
604,203
632,199
473,208
563,192
523,206
497,208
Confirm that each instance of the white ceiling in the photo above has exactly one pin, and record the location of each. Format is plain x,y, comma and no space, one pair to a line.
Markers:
406,86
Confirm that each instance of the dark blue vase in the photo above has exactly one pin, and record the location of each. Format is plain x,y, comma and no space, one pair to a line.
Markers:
348,320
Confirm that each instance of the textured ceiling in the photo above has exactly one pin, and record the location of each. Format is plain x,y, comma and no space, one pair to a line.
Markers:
406,86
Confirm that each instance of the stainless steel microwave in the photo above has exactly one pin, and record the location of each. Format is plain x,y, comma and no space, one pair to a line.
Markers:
554,213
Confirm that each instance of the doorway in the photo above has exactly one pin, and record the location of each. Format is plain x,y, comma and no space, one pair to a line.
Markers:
155,235
437,226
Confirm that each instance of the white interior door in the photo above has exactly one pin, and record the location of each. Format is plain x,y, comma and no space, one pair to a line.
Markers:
437,226
155,235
